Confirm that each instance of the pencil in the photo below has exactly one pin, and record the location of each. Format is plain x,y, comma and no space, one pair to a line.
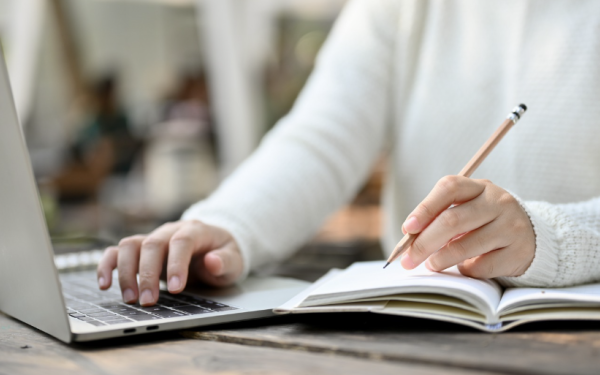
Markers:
468,170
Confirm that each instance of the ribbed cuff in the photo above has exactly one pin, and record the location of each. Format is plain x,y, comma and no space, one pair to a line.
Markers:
544,268
227,222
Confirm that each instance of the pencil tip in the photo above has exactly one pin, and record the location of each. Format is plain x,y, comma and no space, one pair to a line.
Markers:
387,264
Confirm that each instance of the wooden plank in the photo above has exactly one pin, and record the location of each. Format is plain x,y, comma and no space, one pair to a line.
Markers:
550,348
24,350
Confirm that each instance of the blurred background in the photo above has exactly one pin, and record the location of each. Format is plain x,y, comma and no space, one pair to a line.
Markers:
135,109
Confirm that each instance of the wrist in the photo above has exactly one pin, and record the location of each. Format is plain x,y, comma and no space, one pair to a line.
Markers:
544,267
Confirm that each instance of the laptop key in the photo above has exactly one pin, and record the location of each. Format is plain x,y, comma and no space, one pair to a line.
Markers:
101,314
131,312
169,313
110,318
204,303
112,305
124,312
155,309
91,310
118,308
171,303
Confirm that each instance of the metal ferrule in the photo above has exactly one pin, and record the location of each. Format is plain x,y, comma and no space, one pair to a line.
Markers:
519,110
514,117
516,114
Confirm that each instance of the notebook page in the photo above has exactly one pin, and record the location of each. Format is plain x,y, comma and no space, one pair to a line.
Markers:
515,299
369,279
298,298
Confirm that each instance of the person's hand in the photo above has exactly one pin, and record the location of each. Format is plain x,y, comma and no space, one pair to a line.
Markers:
193,251
487,233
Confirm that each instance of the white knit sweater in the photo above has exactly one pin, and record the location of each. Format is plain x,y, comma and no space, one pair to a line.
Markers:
427,82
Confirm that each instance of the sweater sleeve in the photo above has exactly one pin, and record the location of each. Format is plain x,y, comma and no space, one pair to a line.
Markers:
567,245
317,157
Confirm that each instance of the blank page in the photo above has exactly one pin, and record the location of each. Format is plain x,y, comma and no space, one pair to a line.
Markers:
581,295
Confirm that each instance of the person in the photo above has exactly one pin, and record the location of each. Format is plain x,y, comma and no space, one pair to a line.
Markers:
186,112
426,82
103,147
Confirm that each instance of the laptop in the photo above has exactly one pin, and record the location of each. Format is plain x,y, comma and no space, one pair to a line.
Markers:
69,306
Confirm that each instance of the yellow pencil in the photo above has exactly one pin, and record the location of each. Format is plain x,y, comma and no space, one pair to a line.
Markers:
468,170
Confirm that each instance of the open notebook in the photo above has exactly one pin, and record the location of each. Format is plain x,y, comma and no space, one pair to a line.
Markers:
447,296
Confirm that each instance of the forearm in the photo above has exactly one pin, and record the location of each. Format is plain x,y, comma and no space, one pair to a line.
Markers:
318,156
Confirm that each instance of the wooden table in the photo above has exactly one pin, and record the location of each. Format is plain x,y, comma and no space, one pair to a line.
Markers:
313,344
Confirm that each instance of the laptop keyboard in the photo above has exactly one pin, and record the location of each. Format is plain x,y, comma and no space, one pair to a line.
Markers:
99,308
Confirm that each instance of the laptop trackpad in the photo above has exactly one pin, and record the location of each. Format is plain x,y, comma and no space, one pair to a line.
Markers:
254,293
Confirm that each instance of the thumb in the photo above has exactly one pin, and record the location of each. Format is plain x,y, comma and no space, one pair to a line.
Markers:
222,266
188,248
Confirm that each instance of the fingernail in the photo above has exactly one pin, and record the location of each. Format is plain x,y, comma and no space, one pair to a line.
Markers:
406,262
146,297
102,282
411,225
174,283
128,295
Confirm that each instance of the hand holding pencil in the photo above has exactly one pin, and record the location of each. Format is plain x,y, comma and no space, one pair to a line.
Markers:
470,223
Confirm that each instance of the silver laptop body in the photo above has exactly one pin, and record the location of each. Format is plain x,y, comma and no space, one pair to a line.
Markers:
70,307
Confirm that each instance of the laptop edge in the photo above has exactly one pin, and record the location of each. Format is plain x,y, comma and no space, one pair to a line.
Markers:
29,286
